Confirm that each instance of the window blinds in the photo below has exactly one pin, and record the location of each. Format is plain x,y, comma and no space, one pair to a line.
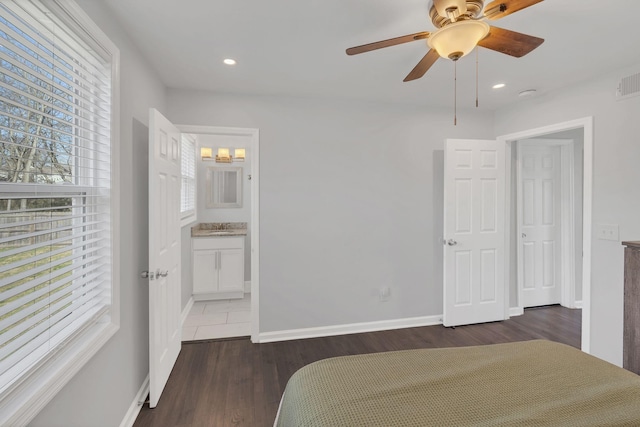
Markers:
55,180
188,193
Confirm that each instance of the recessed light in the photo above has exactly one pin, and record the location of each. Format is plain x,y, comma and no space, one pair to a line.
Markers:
498,86
230,61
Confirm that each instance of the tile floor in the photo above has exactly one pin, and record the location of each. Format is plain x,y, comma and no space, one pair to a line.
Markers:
218,319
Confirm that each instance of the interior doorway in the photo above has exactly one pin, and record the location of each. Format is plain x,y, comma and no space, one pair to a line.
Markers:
548,187
538,224
582,236
244,311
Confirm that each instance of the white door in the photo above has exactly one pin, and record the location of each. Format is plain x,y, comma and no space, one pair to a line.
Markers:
474,209
539,221
165,332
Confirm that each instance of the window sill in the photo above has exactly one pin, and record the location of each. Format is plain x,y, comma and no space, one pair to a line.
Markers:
188,220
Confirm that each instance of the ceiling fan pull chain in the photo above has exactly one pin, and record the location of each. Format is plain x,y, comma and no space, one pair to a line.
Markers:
477,76
455,93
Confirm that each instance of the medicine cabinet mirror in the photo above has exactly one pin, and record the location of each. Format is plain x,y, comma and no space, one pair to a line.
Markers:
224,187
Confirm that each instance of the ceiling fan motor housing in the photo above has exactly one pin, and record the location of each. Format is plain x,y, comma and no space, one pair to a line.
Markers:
445,12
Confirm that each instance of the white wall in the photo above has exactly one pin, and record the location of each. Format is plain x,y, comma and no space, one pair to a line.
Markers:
101,393
350,200
616,193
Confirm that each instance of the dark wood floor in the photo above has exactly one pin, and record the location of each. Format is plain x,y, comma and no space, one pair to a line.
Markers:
237,383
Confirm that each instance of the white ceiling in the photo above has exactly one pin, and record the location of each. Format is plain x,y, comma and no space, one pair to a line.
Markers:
297,48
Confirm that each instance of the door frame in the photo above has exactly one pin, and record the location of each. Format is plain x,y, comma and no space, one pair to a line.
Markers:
567,220
254,136
586,123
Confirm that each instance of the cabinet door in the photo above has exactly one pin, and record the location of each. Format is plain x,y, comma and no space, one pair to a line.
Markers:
205,271
231,270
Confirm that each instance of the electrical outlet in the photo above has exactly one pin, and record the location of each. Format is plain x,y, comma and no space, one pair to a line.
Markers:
385,293
608,232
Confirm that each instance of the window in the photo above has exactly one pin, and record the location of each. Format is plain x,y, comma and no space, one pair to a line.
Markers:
58,237
188,193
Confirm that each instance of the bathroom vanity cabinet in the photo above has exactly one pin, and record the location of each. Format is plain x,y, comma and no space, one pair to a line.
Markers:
218,267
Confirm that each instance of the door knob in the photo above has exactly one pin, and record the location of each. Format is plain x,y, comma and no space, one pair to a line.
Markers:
451,242
147,275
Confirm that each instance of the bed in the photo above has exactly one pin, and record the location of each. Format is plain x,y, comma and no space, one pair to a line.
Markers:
539,383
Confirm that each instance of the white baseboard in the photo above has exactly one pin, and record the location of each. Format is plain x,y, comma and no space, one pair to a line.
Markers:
131,415
353,328
516,311
247,287
578,304
186,310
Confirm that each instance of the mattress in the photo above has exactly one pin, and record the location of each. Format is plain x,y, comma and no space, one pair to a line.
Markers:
530,383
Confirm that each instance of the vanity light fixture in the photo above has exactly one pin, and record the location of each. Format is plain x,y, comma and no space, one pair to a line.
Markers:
223,156
206,153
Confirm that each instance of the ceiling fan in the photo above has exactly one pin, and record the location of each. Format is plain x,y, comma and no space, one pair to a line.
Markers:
461,27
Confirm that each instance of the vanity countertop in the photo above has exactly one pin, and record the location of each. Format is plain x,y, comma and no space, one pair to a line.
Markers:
219,229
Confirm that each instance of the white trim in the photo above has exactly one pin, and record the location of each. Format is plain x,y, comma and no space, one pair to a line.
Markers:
568,256
131,415
254,134
247,286
516,311
353,328
185,311
507,226
578,305
585,123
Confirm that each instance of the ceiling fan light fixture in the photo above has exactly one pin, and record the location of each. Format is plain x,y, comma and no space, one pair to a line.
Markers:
458,39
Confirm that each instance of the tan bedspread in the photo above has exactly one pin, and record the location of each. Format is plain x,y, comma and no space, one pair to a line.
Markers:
531,383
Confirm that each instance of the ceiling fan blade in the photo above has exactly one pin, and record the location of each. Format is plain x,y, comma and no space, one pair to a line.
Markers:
510,42
500,8
387,43
423,66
